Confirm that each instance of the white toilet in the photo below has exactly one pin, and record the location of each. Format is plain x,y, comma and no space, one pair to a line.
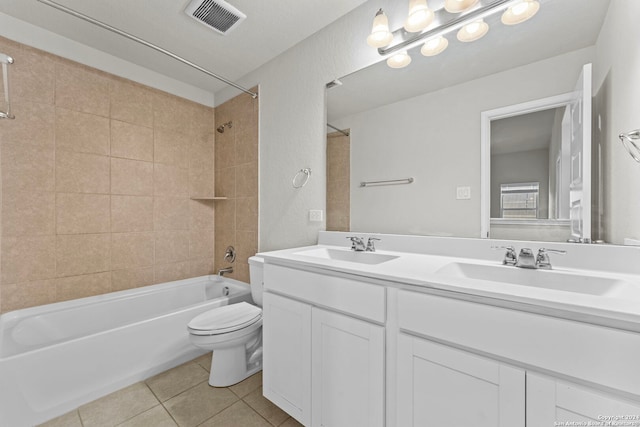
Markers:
234,333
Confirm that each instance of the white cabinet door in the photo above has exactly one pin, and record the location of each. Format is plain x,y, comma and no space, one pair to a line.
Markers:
286,333
348,371
442,386
553,402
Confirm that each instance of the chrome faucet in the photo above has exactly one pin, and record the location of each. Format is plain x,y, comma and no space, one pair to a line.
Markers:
371,244
542,260
510,257
225,270
357,244
526,259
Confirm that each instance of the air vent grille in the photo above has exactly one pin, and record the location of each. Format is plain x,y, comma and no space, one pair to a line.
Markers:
218,15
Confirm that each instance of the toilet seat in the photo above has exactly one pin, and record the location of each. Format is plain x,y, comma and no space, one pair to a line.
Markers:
225,319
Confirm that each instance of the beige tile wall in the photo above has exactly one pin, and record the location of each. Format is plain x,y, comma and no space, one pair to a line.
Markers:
236,177
338,187
97,178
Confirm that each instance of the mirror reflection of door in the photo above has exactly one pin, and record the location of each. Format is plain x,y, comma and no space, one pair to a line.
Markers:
539,167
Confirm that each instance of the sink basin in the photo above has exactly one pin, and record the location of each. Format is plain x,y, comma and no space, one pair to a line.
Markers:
347,255
548,279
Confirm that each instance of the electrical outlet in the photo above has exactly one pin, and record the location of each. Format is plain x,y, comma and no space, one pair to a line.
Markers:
315,215
463,193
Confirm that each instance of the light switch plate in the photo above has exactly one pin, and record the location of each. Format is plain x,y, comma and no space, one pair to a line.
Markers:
463,193
315,215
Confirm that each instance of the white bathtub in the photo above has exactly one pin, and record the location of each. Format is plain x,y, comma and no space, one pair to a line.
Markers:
56,357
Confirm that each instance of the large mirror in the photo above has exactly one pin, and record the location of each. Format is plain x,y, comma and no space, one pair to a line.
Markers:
421,128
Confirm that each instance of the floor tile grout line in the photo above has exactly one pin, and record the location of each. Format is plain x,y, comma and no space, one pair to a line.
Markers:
237,401
222,410
139,413
256,411
175,395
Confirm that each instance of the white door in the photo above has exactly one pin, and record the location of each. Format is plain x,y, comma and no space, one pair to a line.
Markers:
441,386
347,371
286,333
553,402
580,161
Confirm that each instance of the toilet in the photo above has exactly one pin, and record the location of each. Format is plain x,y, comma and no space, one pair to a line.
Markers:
234,334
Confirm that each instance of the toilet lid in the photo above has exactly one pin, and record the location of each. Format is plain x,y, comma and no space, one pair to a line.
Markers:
226,319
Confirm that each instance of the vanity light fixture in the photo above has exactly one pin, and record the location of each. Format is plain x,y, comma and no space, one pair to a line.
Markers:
520,12
380,35
467,17
473,31
420,16
434,46
457,6
399,60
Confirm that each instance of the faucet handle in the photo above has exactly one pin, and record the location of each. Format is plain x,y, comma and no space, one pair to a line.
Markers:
356,243
371,244
542,260
510,257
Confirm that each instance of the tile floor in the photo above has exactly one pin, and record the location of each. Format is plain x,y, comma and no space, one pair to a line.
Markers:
181,397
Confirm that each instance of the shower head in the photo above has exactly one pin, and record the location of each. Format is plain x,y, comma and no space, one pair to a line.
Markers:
222,126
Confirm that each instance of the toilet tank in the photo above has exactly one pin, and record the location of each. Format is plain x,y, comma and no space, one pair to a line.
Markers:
256,270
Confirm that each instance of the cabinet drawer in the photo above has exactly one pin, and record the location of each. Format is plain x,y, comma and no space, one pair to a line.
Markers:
350,296
592,353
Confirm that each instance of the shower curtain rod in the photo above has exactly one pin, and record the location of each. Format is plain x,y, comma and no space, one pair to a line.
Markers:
345,133
145,43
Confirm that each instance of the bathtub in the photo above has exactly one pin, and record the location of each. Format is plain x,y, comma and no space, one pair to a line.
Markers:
56,357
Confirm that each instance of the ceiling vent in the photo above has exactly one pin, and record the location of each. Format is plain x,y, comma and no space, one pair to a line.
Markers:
217,15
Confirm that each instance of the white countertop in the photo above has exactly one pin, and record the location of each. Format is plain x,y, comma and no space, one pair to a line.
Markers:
419,271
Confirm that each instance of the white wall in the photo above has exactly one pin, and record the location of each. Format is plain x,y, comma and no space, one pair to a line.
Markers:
617,89
436,139
293,116
45,40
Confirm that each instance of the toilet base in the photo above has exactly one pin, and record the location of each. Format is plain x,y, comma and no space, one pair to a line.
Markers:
229,367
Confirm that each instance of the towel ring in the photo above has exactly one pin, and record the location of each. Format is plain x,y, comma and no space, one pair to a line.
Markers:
306,172
632,148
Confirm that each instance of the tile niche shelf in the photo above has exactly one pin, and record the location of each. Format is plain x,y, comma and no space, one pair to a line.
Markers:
209,198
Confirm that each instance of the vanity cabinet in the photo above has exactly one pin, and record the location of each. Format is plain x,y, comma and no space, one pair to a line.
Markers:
440,384
339,351
551,401
324,347
347,373
443,386
286,334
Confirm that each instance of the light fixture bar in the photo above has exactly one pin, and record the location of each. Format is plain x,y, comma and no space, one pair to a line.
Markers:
444,22
145,43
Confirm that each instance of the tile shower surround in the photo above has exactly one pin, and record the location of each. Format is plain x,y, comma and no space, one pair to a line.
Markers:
236,177
97,175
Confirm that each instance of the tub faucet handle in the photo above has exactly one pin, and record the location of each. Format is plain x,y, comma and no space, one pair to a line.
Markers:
230,254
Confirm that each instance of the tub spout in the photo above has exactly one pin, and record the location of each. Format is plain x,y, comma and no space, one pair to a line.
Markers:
225,270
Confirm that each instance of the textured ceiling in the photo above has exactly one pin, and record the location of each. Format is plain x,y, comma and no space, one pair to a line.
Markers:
271,28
